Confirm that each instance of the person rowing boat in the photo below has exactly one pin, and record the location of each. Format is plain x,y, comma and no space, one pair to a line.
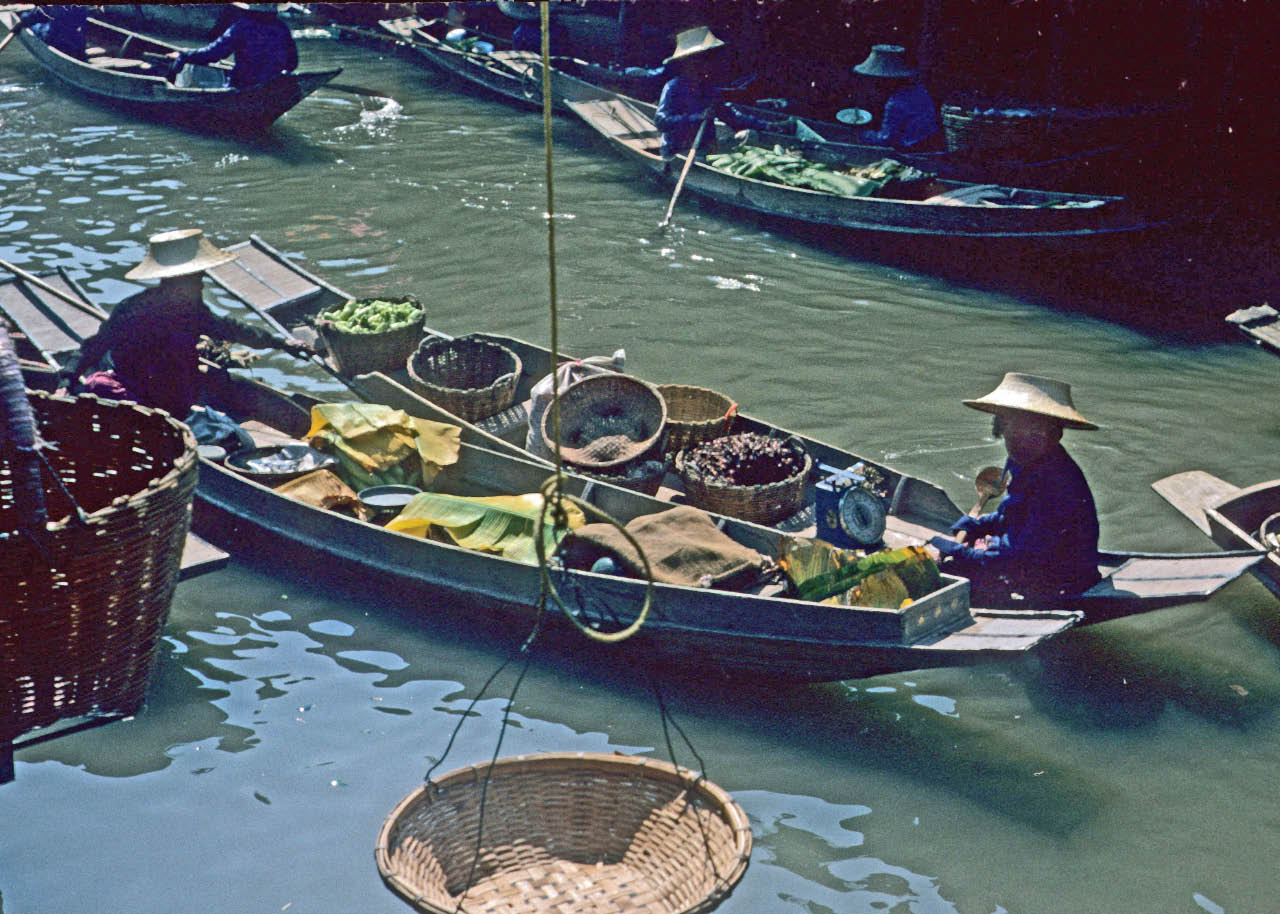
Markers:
151,337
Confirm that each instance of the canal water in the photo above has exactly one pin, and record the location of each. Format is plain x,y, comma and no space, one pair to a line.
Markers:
1126,768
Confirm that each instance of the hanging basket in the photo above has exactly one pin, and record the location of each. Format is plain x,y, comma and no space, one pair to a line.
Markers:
607,420
82,612
360,353
695,415
762,503
565,833
471,378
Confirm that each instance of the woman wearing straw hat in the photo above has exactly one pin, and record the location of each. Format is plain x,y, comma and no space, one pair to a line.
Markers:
152,336
698,67
1042,540
910,116
263,47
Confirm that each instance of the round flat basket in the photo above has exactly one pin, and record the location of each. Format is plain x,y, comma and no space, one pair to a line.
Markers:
766,503
359,353
564,833
607,420
470,377
695,415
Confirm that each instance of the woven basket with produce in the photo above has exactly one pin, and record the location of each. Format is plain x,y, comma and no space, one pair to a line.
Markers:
608,420
695,415
371,334
748,475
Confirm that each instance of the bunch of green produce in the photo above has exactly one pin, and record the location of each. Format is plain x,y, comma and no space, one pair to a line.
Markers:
782,166
373,315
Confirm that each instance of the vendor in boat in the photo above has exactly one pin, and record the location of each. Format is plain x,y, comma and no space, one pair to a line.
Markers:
1042,540
694,90
60,26
151,337
261,42
910,119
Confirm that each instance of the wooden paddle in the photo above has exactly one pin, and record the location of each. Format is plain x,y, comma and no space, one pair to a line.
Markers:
40,283
688,161
12,34
989,483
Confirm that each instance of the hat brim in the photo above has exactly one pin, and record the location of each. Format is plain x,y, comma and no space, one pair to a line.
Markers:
695,52
904,73
1067,418
150,269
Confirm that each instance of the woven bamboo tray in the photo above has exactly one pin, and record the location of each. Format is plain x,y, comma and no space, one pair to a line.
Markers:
607,420
81,618
761,504
695,415
471,378
566,833
359,353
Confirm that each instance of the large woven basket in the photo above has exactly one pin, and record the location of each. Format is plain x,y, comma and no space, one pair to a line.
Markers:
695,415
607,420
761,504
359,353
566,833
81,615
471,378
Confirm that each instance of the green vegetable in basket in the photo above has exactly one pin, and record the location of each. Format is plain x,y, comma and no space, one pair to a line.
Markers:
373,315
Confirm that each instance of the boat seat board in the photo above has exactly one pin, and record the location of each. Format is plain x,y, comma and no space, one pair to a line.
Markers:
622,121
1160,576
200,557
260,279
996,630
1193,492
51,324
1261,323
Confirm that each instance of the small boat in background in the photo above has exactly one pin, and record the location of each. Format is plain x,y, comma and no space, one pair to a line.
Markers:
128,71
193,21
1261,323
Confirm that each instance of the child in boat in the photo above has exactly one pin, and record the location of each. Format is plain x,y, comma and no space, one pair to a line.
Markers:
1042,540
152,336
697,68
910,119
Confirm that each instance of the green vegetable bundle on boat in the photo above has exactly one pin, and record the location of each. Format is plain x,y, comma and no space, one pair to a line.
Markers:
372,334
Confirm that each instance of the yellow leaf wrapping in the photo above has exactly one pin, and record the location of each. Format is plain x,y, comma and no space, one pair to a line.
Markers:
376,444
883,589
497,523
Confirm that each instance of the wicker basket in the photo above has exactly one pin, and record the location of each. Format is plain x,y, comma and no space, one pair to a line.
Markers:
565,833
695,415
358,353
82,615
761,504
974,131
607,420
471,378
648,481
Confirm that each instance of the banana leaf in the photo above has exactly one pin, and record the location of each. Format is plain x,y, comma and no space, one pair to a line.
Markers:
378,445
504,524
823,573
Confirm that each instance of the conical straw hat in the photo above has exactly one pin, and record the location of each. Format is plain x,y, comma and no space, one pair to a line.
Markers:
179,253
1031,393
694,41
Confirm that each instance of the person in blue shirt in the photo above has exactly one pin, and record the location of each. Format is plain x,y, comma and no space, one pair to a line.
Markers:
262,45
697,69
910,117
1042,540
59,26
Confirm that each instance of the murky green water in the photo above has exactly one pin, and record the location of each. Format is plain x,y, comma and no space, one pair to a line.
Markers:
1127,768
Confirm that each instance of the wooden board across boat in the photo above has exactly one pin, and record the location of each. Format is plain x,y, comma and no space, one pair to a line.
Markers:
1261,323
122,70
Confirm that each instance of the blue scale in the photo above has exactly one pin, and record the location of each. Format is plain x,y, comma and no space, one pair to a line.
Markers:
848,515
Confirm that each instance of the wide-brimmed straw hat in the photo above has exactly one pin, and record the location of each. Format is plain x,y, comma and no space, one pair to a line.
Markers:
1031,393
258,7
889,60
694,41
179,253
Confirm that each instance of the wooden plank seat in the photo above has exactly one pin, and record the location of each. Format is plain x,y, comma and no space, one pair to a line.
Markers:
256,277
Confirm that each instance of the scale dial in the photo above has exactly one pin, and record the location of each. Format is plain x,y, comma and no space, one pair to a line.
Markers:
862,516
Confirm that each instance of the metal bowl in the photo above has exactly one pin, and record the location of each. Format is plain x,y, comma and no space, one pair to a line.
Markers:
278,463
382,501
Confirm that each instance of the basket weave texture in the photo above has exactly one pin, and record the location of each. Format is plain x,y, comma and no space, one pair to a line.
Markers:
80,621
761,504
607,420
471,378
567,833
1044,132
359,353
695,415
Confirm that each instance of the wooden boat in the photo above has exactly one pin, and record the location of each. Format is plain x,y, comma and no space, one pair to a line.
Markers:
1133,582
935,207
1232,517
191,21
123,70
1261,323
739,633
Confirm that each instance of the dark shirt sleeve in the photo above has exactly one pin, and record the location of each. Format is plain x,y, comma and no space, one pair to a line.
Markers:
220,327
114,331
676,108
223,46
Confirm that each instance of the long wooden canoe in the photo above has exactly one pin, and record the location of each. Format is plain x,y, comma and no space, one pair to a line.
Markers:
751,633
1260,323
938,207
1132,582
1229,515
121,70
